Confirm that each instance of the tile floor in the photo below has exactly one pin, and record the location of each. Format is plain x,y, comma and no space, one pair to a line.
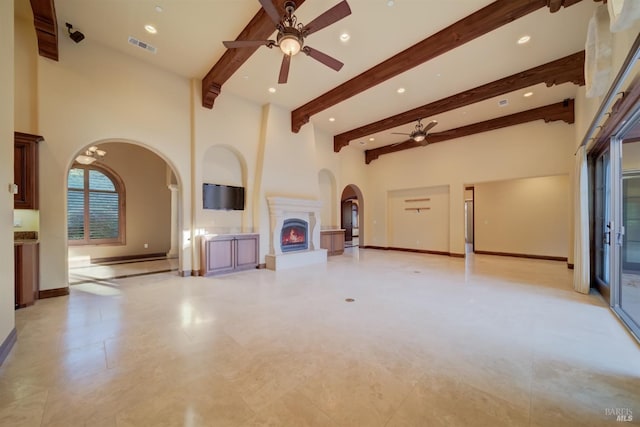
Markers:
117,270
428,341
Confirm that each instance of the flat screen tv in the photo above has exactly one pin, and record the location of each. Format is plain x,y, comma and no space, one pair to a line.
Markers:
222,197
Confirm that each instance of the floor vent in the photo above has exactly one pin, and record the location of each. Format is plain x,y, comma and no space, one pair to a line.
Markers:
146,46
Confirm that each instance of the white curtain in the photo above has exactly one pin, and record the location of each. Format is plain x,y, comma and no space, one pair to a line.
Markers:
581,270
598,51
622,14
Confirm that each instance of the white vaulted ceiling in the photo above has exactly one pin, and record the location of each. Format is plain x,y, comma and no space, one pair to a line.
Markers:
190,35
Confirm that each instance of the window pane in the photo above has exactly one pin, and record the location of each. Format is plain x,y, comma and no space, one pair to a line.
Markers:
75,214
99,181
76,178
103,215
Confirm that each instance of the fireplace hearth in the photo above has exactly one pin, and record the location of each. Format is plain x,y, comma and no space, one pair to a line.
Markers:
294,235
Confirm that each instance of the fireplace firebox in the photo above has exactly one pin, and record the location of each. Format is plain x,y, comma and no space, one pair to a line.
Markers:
295,235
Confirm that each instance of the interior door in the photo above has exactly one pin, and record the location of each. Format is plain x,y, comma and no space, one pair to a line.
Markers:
347,220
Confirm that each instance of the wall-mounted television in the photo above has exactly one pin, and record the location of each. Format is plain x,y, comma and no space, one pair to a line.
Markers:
222,197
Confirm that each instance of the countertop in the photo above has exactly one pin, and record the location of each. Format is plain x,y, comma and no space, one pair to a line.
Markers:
25,242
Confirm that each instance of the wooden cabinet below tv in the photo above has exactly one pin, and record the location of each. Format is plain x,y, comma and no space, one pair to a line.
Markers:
226,253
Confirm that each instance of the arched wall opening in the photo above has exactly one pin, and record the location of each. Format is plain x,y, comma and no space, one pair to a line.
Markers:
352,195
152,205
222,165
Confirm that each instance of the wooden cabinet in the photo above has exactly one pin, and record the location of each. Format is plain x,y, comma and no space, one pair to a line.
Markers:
25,170
332,241
27,279
228,252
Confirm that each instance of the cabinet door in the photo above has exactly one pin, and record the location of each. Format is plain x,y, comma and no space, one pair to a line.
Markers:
247,251
325,241
220,255
25,170
26,274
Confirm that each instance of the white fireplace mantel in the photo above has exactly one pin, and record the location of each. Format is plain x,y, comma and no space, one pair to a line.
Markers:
283,208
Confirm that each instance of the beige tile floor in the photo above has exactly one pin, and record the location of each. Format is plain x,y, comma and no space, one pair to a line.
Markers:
105,271
428,341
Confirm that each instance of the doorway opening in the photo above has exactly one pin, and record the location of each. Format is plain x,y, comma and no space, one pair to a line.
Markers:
469,223
120,222
352,213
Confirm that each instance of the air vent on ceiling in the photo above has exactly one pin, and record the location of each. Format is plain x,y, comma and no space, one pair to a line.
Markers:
503,102
146,46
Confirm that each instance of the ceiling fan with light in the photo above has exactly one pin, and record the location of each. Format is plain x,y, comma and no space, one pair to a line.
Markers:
419,134
291,35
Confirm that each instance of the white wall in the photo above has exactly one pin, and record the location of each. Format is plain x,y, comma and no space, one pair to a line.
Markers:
147,204
329,198
527,150
286,166
427,229
7,298
96,94
523,216
26,88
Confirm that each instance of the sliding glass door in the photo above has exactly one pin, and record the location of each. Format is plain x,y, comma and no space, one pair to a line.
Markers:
602,222
626,298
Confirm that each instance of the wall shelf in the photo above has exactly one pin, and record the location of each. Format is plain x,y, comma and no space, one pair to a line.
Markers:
416,200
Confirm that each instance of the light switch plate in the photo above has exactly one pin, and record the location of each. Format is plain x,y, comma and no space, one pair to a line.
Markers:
13,188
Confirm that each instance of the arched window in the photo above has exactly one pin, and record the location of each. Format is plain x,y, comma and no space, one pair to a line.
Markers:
95,206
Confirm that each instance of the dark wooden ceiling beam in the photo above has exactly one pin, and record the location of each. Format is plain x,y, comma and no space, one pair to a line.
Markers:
46,25
259,28
560,111
567,69
477,24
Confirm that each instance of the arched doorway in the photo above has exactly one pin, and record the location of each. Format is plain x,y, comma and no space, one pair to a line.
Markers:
122,208
352,215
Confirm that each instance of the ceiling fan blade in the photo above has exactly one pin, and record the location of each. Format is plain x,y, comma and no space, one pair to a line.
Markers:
246,43
323,57
431,124
329,17
271,10
284,69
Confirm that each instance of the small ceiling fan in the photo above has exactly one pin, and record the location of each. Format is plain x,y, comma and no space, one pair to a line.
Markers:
291,34
419,134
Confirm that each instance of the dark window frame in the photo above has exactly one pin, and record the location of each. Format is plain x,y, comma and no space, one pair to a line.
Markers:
119,189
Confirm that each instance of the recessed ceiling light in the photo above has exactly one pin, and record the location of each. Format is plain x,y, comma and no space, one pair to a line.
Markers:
344,37
332,119
439,75
528,94
150,29
372,139
401,90
158,9
390,3
524,39
272,90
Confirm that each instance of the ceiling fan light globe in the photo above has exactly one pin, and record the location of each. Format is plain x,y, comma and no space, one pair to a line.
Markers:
85,160
419,137
290,45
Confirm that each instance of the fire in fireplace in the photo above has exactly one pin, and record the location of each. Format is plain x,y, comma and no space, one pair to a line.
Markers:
295,235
